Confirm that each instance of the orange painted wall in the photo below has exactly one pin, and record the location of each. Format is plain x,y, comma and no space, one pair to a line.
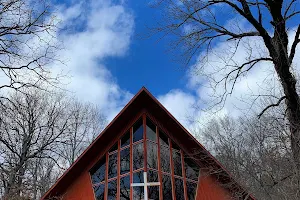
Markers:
209,189
81,189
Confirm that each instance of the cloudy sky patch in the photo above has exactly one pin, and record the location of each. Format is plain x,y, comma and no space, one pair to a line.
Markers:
106,62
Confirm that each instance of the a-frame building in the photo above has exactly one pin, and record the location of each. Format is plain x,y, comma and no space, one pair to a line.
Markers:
145,137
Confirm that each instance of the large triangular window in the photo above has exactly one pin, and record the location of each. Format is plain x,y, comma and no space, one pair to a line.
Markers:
145,148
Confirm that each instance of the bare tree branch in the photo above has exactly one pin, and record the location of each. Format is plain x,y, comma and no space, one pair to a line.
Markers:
272,105
27,44
294,45
37,127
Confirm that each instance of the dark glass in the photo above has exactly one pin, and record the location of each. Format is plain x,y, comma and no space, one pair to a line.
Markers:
150,130
167,187
152,176
125,161
138,156
191,190
165,159
114,148
138,131
125,139
179,191
138,177
125,188
152,155
163,139
153,192
112,165
191,169
175,146
99,191
112,190
177,163
98,173
138,192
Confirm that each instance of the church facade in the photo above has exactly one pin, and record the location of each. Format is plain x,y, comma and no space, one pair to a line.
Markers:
145,153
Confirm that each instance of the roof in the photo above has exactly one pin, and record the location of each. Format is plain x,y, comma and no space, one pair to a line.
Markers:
144,100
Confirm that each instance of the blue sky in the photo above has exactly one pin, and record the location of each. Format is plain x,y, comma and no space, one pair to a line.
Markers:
123,61
108,62
148,62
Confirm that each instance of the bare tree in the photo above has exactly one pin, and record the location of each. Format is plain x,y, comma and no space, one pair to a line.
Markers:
43,173
199,24
27,43
85,123
35,128
257,152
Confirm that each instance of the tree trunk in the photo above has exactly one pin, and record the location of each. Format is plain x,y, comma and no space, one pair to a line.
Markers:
282,63
293,115
288,83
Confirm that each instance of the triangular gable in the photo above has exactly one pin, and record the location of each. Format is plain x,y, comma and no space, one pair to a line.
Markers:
142,102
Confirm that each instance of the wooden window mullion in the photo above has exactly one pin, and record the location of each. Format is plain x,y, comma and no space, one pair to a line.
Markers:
106,178
118,170
145,142
172,170
131,161
183,174
159,165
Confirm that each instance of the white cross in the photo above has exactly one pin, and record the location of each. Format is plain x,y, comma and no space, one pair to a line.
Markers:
145,185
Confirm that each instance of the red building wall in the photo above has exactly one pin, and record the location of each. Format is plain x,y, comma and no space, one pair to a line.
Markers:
210,189
80,189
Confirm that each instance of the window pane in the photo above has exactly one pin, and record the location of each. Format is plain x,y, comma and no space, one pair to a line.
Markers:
177,163
125,161
98,174
125,188
191,169
163,139
138,156
99,192
138,131
152,155
179,192
165,159
175,146
112,165
125,139
191,190
167,187
152,176
151,130
138,192
112,190
114,148
138,177
153,192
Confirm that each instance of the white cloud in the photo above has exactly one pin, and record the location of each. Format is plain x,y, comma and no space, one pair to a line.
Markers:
186,108
92,31
179,104
261,80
